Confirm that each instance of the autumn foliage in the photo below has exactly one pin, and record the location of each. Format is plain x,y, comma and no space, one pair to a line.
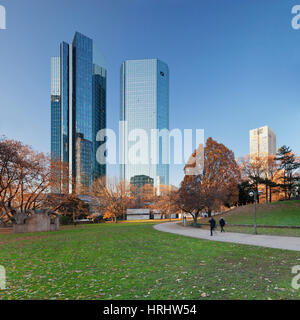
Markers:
112,197
26,181
215,187
276,177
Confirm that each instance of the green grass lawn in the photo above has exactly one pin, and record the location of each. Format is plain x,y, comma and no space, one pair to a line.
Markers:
282,213
277,214
134,261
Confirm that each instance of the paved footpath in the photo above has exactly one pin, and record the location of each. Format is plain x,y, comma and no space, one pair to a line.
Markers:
278,242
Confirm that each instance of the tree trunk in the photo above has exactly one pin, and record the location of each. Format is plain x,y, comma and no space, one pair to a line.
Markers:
285,187
195,218
209,213
270,194
267,196
74,222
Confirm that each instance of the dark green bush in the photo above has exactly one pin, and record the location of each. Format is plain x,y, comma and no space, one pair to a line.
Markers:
65,220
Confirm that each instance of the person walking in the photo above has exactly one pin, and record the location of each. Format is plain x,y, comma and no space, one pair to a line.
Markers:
212,223
222,224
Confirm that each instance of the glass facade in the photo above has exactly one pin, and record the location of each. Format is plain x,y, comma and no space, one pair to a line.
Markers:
163,118
82,84
145,105
99,115
64,54
78,110
55,109
84,149
82,108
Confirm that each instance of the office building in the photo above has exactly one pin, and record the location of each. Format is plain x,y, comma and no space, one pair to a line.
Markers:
78,112
262,142
145,105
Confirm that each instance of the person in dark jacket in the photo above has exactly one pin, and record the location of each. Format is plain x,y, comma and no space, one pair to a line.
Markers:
212,223
222,224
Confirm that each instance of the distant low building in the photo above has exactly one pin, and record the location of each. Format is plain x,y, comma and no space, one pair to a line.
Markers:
138,214
147,214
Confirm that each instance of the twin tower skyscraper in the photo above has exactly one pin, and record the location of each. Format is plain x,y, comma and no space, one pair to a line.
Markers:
79,111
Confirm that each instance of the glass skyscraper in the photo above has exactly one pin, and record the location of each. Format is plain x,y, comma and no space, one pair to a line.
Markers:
55,108
145,105
78,112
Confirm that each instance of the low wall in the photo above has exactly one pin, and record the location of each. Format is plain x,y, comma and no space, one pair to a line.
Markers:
37,223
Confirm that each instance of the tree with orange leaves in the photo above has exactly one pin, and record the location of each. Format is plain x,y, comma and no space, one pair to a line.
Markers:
216,186
190,198
25,181
253,169
143,195
166,201
113,197
271,177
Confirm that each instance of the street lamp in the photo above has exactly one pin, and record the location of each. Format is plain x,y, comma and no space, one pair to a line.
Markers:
254,194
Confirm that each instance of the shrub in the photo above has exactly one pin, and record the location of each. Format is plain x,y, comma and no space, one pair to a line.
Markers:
65,220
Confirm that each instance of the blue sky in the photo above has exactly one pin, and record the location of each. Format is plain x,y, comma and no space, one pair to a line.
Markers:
234,65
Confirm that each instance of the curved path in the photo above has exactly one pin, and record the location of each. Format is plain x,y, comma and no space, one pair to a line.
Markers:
278,242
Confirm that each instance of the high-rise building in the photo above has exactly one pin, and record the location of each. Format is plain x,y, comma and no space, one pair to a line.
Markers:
78,112
262,142
145,105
